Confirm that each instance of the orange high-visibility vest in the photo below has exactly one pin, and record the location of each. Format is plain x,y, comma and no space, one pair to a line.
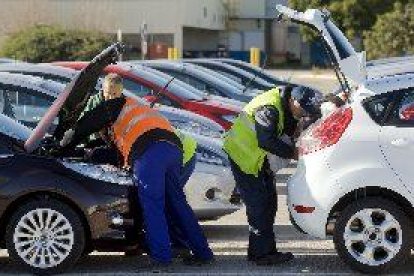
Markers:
134,121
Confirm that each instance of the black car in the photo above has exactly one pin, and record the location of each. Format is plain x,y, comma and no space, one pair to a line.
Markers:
54,208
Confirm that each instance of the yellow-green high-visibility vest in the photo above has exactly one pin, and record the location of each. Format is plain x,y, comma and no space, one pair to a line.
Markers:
241,143
189,146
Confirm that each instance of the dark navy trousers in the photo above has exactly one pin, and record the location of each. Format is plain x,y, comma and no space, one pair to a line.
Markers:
157,174
178,239
260,198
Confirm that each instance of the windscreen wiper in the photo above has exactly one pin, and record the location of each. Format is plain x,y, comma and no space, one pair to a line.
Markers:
160,91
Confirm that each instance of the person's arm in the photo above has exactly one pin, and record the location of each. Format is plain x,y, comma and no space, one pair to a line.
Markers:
266,123
93,121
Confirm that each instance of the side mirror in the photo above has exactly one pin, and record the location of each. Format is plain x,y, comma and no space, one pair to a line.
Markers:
406,112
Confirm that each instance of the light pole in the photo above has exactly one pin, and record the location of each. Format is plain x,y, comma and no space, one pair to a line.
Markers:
144,40
119,39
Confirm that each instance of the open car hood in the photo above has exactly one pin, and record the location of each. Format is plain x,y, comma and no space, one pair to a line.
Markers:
70,103
351,64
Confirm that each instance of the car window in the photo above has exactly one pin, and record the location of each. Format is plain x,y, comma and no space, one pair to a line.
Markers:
167,101
24,105
136,88
378,106
225,73
193,81
178,88
222,77
403,113
186,78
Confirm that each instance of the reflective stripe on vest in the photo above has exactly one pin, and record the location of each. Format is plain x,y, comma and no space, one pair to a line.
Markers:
189,146
241,143
133,121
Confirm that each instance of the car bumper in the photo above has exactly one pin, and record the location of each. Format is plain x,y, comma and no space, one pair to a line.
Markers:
308,197
209,191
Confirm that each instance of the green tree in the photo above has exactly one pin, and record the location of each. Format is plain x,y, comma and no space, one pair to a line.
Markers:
354,17
392,34
43,43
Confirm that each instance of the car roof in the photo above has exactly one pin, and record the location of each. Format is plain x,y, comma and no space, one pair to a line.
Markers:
35,83
40,68
389,83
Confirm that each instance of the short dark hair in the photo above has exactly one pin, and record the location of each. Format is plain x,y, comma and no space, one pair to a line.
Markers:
113,78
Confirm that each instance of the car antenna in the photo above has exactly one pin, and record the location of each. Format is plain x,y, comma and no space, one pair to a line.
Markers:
249,83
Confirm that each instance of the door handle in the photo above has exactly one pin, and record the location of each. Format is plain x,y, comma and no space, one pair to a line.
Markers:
401,142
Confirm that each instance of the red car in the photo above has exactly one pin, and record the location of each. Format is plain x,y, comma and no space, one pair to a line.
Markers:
149,83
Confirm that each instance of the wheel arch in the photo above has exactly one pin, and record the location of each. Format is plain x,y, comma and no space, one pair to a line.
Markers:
12,207
364,192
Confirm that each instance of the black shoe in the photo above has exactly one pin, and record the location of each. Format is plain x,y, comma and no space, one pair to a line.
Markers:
134,251
195,261
274,259
181,253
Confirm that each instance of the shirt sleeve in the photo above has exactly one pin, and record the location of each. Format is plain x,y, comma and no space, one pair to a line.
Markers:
266,123
93,121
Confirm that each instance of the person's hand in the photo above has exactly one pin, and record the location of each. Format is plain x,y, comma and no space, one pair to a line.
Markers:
67,138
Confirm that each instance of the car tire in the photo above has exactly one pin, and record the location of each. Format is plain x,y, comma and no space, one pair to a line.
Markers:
52,250
373,235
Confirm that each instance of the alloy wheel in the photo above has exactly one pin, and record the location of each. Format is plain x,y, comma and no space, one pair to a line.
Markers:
43,238
373,236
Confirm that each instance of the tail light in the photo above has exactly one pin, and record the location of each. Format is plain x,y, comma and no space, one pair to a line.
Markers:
325,133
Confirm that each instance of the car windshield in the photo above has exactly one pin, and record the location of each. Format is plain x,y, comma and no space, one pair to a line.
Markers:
254,70
177,87
228,81
342,44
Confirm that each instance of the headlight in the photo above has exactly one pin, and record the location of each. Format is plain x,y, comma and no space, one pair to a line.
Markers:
208,156
229,118
196,128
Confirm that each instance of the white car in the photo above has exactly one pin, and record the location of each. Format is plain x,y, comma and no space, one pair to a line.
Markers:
355,175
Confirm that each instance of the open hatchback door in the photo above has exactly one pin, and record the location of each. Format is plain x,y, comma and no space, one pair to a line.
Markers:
70,103
350,66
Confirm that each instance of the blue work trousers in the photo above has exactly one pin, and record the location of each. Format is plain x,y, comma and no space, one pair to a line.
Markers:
157,174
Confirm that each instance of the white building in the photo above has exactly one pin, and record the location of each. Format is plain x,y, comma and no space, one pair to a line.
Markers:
185,24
